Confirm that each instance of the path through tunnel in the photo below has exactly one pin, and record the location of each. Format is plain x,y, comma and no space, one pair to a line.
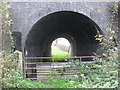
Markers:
77,28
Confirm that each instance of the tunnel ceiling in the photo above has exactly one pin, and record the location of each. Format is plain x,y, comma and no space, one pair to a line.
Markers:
77,28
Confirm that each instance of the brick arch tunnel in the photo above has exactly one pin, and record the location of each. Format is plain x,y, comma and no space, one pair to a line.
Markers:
77,28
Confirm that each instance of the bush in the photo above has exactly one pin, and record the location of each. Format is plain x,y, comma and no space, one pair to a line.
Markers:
96,75
12,75
17,81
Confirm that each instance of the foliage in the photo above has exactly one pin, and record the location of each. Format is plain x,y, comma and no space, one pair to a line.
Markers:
114,11
16,80
109,43
12,76
60,82
5,22
9,63
4,6
101,74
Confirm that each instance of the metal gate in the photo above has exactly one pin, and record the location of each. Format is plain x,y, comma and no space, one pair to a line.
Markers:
38,68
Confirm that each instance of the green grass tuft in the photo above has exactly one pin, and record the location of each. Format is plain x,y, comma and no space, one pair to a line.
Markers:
56,52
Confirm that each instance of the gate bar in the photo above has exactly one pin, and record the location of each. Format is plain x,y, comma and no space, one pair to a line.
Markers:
61,57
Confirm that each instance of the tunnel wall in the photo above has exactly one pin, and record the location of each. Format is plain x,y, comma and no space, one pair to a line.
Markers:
26,14
77,28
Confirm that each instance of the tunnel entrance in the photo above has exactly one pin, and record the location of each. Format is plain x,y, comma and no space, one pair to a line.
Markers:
77,28
61,48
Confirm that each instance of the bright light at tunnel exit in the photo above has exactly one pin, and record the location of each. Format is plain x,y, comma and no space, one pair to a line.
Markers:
61,41
60,47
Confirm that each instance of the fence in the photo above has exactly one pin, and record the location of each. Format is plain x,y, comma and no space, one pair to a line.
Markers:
38,68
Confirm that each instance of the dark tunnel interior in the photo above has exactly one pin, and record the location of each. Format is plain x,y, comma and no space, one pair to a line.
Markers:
77,28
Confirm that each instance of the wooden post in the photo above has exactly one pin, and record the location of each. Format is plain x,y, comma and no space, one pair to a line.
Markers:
20,62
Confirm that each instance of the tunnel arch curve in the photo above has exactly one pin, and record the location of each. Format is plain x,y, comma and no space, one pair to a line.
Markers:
62,35
67,24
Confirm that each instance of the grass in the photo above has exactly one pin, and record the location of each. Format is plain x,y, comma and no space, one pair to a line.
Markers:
56,52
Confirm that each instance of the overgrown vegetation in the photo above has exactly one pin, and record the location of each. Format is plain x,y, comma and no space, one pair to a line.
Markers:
15,79
101,74
12,76
5,22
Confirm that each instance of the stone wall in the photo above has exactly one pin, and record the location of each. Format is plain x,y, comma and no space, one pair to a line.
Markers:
26,14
